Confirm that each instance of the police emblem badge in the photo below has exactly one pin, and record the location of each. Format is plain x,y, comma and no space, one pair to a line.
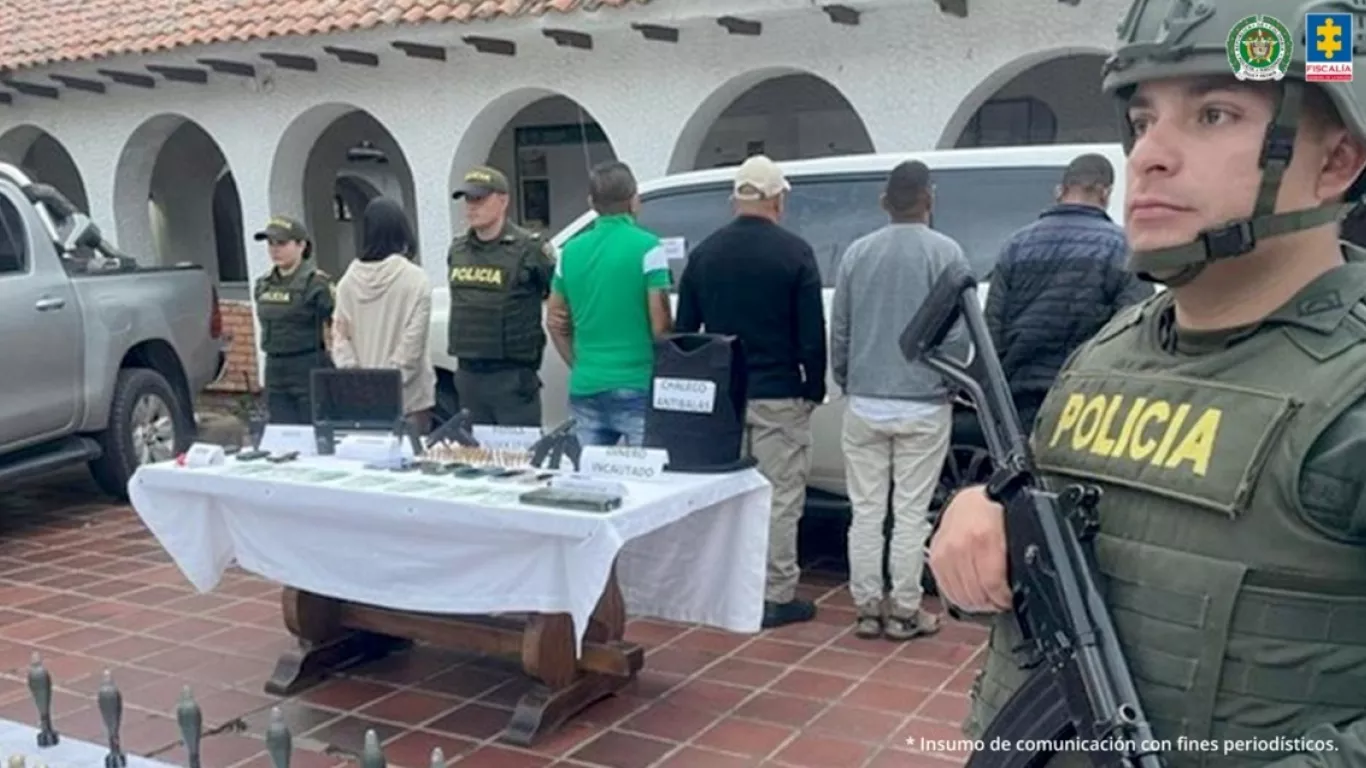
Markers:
1259,48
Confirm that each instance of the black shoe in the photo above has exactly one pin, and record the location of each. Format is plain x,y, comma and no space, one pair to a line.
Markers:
791,612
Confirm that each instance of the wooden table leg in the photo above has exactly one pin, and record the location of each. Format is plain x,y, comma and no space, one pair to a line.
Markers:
334,634
325,644
567,687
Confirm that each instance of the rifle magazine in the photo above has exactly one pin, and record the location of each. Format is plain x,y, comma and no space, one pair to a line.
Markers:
1037,713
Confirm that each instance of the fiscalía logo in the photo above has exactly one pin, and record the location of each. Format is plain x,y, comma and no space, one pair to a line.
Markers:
1328,47
1259,48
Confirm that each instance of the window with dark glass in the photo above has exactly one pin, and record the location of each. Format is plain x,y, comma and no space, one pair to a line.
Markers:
691,214
977,207
13,242
981,207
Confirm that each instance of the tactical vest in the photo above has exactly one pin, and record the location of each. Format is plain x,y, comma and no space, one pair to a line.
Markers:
496,305
697,402
289,325
1241,619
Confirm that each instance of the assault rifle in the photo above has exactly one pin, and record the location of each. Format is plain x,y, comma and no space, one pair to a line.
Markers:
1080,688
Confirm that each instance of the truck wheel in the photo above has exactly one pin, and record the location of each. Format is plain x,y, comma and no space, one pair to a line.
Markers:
147,424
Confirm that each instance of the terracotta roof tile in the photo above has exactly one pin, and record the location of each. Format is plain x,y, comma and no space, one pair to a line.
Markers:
35,32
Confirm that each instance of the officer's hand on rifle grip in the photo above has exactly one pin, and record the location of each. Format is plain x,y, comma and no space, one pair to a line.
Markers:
968,553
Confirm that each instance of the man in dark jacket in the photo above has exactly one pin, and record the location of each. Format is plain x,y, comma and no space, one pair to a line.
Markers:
1058,280
756,280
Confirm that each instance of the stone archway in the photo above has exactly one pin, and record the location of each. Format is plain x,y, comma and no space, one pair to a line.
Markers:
1048,97
333,159
785,113
545,142
169,199
40,155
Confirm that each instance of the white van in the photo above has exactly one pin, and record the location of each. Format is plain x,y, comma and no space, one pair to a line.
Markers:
981,197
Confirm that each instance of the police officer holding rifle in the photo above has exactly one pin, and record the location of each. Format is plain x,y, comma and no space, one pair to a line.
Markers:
1223,421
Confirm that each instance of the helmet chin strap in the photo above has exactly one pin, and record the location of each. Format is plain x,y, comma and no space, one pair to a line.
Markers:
1180,264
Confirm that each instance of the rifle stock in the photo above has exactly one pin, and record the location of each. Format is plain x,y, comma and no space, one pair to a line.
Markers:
1080,690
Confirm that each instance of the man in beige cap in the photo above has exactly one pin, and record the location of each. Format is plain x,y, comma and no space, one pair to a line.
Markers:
756,280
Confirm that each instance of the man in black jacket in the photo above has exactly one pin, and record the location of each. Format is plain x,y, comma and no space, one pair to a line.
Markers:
756,280
1058,280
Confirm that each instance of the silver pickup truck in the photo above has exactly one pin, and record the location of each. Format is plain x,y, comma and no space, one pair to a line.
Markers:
100,359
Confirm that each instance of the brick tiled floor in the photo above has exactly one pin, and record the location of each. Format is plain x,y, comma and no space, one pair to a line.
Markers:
85,585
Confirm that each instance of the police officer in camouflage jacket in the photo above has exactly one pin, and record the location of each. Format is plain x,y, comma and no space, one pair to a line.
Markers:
499,276
294,303
1225,418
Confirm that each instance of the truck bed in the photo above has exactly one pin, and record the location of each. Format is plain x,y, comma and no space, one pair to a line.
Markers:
118,304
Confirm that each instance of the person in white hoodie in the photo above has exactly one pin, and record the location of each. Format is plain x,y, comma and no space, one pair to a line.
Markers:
384,306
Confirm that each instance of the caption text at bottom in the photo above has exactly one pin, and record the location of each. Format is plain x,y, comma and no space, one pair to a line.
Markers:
1180,744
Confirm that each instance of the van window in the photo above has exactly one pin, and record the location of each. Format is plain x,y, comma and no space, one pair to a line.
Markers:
692,215
13,243
977,207
981,207
832,213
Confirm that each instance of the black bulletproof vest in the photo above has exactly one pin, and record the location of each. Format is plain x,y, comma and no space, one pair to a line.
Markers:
697,402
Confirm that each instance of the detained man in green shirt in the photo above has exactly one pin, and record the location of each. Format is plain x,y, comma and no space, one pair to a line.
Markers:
609,301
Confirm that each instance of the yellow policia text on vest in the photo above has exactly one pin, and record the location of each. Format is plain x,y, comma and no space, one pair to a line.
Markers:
275,297
496,293
1140,429
478,276
1245,627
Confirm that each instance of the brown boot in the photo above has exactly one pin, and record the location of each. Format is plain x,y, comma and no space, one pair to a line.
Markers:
902,628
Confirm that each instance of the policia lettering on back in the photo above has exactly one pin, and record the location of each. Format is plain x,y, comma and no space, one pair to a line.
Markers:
1232,529
294,308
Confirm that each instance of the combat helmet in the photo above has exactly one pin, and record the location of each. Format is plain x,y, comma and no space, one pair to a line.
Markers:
1249,39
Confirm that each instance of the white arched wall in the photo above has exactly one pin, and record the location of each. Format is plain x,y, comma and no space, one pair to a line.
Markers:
187,231
292,152
482,133
997,80
327,163
44,155
691,136
303,177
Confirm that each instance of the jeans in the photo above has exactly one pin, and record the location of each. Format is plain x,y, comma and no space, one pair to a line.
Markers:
607,417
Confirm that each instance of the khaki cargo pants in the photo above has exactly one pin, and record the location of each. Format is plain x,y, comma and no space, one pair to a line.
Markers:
778,436
900,460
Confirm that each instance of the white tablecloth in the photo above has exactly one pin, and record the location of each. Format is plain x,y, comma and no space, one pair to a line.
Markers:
20,739
691,548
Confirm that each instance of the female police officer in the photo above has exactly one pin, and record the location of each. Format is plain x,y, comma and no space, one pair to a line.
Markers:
294,305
